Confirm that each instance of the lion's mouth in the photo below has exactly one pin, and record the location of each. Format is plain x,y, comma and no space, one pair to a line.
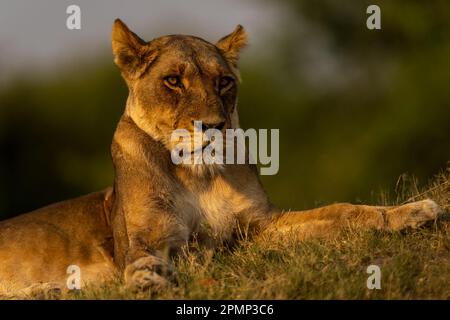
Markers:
201,149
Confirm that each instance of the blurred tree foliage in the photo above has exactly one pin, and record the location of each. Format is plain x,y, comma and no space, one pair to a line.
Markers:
355,107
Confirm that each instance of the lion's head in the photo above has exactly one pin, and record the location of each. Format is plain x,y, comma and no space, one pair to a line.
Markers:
177,79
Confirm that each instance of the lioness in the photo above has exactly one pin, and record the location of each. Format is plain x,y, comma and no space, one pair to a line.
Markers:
155,207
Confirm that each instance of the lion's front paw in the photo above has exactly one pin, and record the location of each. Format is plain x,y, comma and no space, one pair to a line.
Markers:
414,214
147,272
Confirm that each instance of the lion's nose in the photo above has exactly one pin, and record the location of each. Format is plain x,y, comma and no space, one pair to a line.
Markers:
217,125
212,125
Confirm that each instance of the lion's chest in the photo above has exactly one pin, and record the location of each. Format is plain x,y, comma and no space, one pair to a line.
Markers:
215,213
209,215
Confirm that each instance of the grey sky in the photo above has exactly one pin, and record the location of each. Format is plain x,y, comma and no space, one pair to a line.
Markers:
33,34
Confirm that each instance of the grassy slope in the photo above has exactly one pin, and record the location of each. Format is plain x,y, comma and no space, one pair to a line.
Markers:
415,264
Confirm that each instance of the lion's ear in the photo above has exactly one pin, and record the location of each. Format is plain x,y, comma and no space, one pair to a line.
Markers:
131,54
231,45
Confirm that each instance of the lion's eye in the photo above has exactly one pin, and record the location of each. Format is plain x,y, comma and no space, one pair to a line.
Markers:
225,82
173,81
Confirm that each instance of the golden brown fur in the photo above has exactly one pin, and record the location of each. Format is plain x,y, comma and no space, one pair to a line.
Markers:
156,207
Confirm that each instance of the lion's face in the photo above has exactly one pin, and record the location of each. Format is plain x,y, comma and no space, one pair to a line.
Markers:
176,80
189,81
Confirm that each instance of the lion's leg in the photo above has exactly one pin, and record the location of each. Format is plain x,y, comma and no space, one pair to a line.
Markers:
330,219
148,262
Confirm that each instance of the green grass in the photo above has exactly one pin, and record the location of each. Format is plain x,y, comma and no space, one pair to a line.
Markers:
415,264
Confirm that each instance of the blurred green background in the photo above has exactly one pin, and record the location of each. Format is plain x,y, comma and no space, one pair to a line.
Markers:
356,108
